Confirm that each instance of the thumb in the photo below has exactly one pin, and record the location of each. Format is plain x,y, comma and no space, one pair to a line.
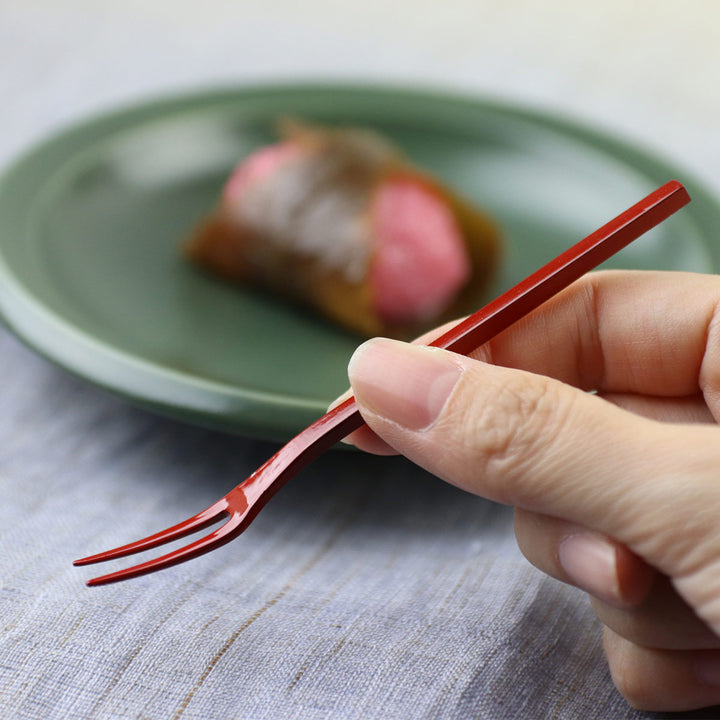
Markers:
536,443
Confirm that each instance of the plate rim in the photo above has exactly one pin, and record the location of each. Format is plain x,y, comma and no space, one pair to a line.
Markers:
220,405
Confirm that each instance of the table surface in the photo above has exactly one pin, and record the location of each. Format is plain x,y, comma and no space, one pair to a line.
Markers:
346,598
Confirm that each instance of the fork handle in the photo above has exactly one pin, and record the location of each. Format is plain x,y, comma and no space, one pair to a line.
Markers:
292,457
563,270
474,331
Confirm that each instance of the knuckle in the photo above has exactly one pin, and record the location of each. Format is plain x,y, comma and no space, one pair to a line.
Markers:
630,679
633,688
512,433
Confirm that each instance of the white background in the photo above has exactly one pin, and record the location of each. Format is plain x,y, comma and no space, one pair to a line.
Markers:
646,70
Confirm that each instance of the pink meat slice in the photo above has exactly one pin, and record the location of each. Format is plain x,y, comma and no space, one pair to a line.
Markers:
419,261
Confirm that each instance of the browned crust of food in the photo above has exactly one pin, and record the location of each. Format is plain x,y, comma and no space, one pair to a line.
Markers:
224,248
243,255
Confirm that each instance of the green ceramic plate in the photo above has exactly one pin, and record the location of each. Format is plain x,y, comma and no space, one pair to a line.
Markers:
91,222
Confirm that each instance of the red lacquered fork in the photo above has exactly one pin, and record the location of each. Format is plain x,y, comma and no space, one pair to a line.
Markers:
243,503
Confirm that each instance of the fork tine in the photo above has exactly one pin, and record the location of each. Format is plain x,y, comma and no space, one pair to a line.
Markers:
224,534
197,522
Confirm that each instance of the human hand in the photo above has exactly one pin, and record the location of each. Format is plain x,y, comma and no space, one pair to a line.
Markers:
616,492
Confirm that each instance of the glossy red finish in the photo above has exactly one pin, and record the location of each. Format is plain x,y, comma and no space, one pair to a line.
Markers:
246,500
564,269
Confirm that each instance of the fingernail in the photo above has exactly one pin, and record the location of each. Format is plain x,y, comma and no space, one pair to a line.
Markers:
406,384
590,562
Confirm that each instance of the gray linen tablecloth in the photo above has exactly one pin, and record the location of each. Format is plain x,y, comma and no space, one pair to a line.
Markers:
366,589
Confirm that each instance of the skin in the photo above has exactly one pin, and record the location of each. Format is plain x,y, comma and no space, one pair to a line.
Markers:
616,491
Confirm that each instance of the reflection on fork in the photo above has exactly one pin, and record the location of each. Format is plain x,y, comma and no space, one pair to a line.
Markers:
244,502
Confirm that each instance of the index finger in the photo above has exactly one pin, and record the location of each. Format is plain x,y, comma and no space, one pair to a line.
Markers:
643,333
650,333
